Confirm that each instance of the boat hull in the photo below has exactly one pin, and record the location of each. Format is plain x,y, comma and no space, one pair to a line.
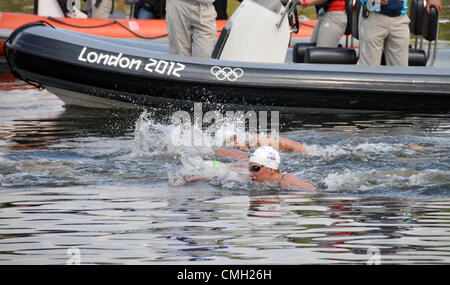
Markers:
144,74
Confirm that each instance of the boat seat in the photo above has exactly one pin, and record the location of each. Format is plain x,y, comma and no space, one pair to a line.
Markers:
416,13
417,57
430,24
309,53
330,55
426,25
422,22
299,50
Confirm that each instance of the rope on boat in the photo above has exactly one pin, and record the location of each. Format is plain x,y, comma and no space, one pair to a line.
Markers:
107,24
112,22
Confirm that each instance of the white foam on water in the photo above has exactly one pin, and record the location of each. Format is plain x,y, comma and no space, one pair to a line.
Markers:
191,145
153,138
150,138
430,176
402,179
351,149
177,142
347,180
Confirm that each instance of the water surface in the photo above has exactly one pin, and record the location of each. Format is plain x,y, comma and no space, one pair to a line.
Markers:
92,186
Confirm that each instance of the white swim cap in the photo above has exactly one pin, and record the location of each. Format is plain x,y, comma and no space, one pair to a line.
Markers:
267,156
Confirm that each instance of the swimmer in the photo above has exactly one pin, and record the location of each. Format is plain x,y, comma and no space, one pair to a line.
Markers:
263,168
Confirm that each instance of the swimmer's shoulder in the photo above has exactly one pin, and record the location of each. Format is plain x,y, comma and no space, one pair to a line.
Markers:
290,181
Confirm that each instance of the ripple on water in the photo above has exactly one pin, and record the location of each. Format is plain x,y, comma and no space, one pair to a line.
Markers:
98,181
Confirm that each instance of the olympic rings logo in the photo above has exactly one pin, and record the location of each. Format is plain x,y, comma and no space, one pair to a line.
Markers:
227,73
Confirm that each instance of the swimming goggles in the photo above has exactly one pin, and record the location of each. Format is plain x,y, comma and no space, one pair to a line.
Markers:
255,168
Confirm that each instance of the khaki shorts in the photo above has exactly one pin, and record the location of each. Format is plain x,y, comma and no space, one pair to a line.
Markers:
379,31
192,27
329,29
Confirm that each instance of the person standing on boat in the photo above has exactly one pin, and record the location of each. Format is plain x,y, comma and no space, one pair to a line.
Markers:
331,21
100,9
192,27
385,24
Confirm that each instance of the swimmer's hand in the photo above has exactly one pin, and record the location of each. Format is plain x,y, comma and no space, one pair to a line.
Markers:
178,182
184,180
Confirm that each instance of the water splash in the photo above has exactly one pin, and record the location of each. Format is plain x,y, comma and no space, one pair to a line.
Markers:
357,165
177,142
150,137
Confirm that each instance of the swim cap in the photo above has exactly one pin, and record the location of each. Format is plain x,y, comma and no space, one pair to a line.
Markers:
267,156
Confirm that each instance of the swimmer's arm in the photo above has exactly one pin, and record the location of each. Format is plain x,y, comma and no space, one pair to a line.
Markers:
190,179
290,145
233,153
292,182
282,144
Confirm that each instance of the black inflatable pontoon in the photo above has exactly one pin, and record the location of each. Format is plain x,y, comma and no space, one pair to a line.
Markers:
102,72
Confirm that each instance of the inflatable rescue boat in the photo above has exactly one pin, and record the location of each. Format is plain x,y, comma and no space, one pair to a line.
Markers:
251,66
